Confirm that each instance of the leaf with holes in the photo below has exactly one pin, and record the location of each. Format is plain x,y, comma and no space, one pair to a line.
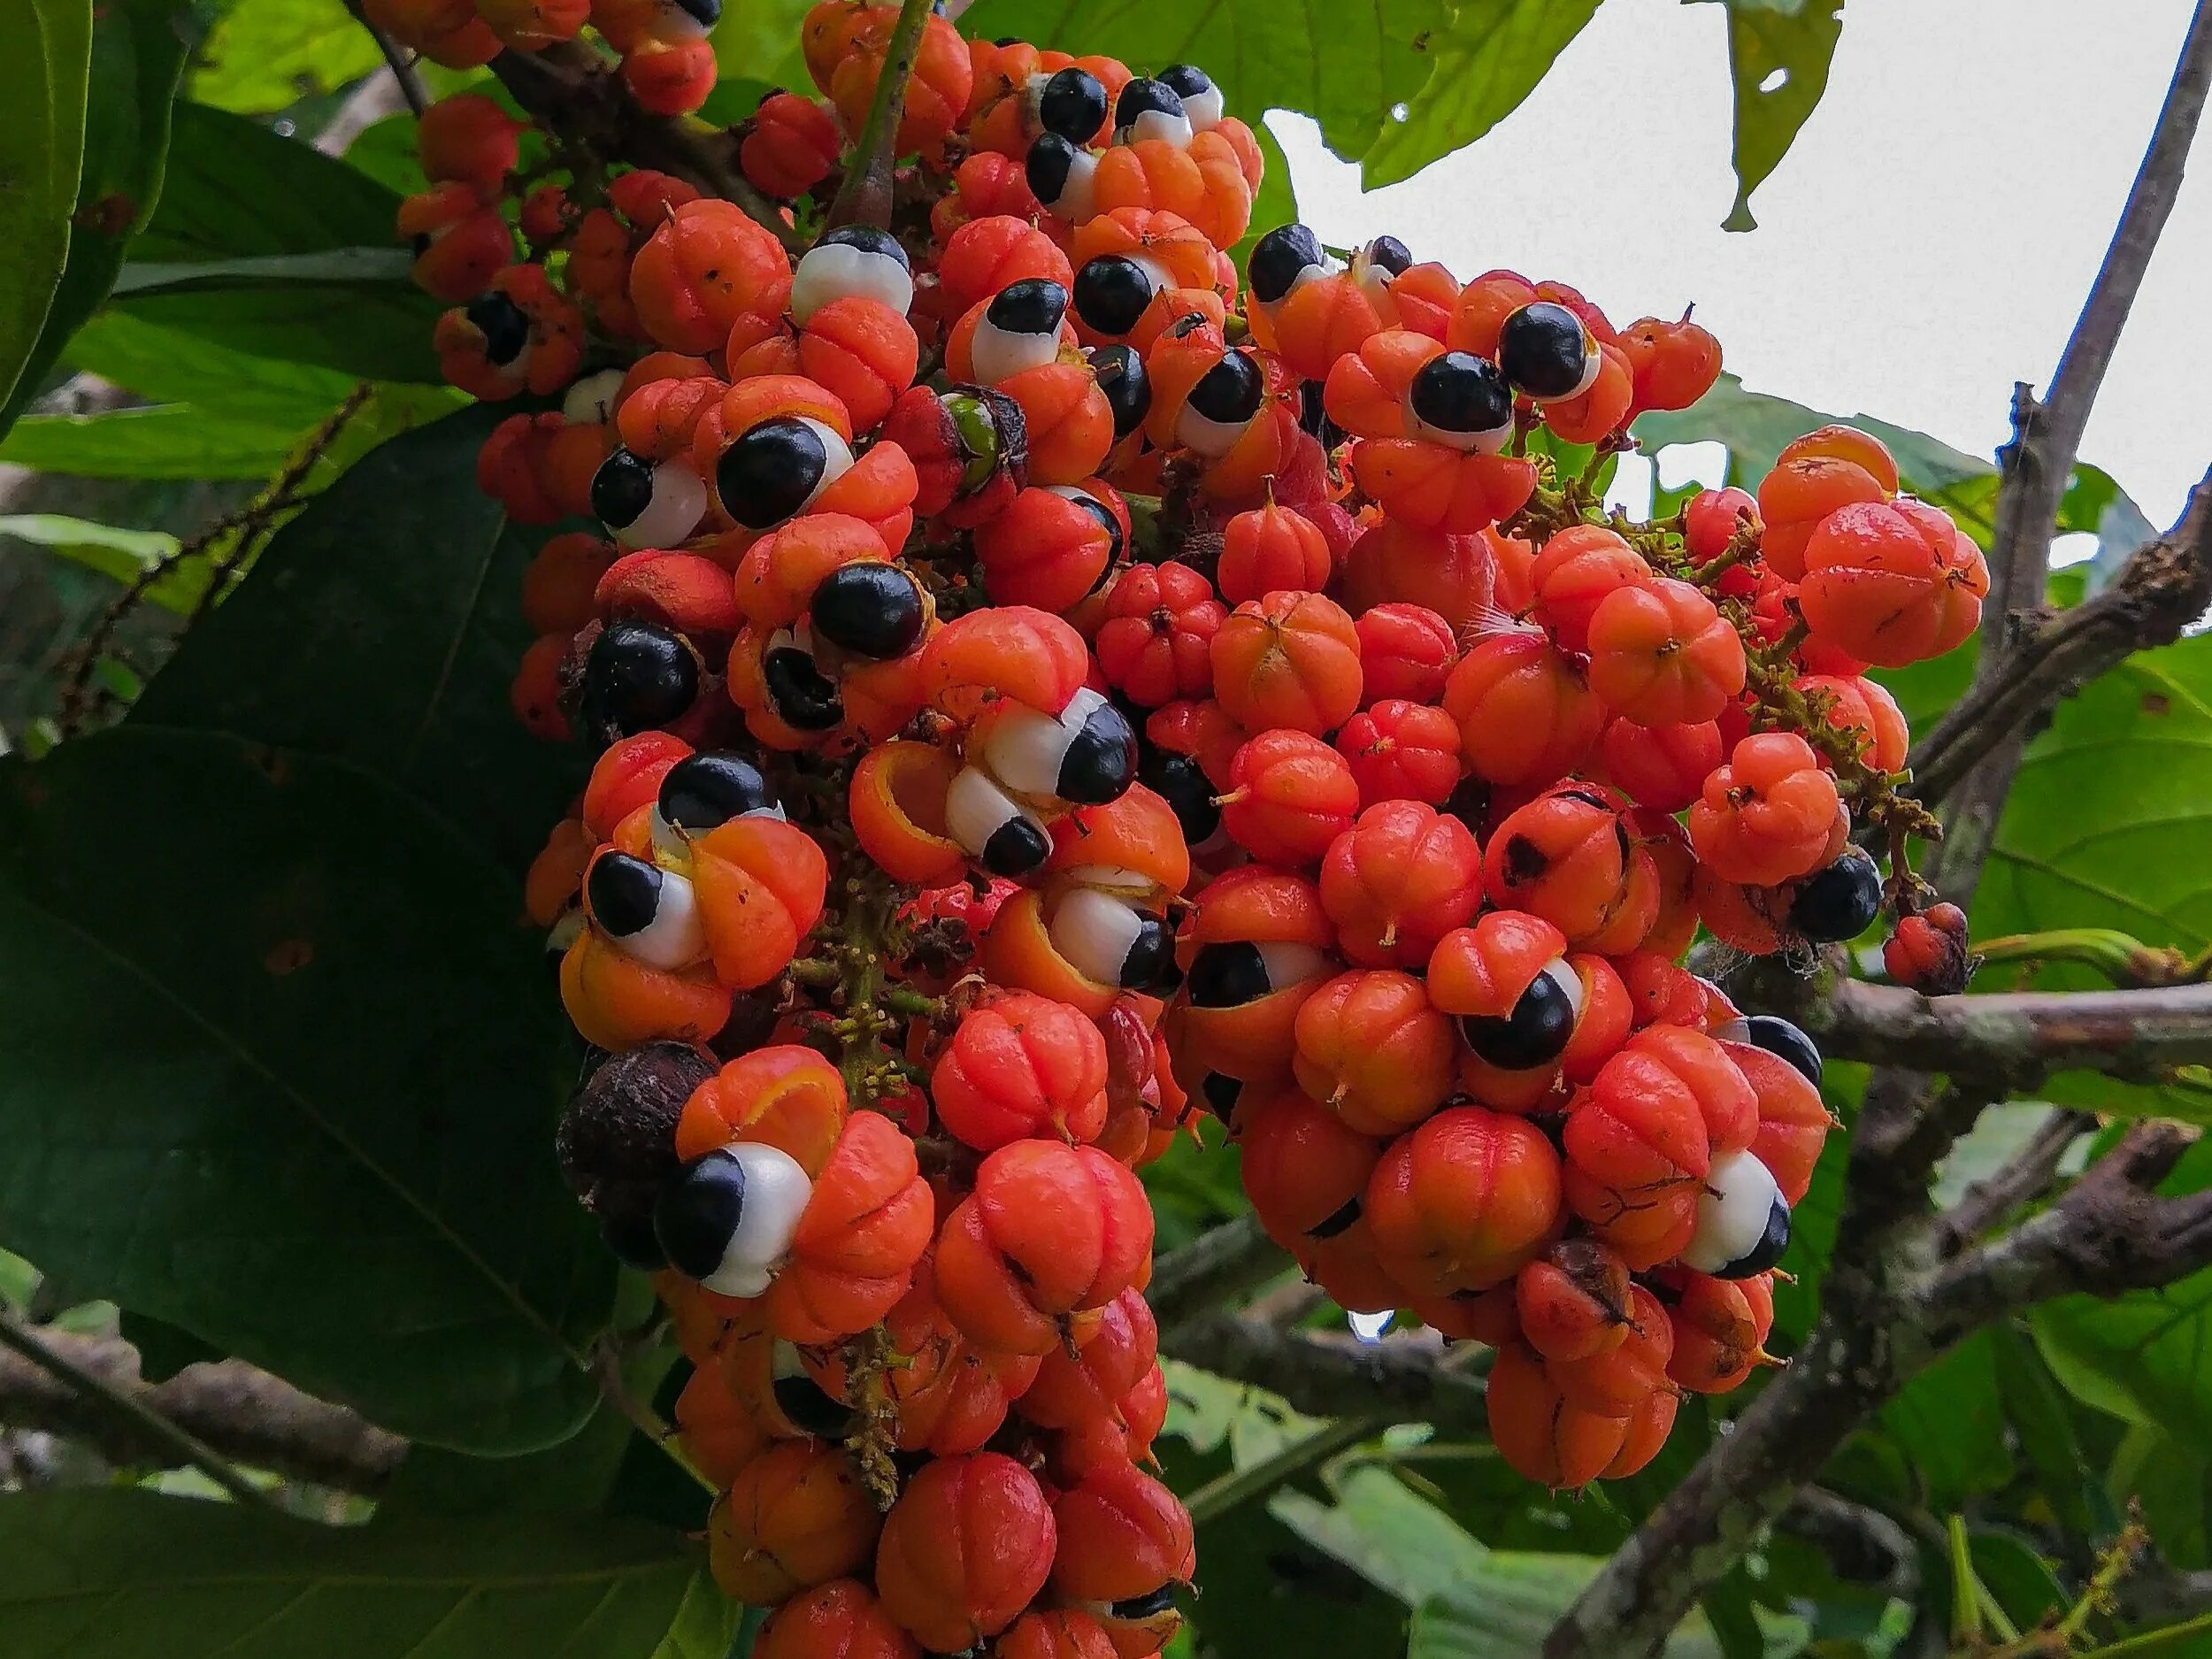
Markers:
1343,62
1488,58
1778,53
127,1572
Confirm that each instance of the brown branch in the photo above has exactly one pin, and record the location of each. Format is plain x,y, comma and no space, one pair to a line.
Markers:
2018,1038
863,195
2165,585
410,87
575,95
1410,1380
1219,1266
2020,1180
240,1414
1861,1544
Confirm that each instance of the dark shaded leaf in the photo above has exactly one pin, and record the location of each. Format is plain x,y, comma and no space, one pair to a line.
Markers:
1949,1421
267,55
45,59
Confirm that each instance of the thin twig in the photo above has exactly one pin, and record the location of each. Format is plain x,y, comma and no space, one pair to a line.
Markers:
402,68
863,195
1239,1486
187,1448
2021,1179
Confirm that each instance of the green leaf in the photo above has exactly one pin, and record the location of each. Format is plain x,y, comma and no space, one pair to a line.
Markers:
1506,1606
2165,1476
381,626
1384,1532
2135,1355
164,367
121,555
2042,1420
572,1478
752,40
108,1575
371,329
374,268
138,50
707,1624
2021,1581
175,441
236,189
45,62
319,1133
1815,1218
1488,58
1344,63
1777,59
269,54
1950,1423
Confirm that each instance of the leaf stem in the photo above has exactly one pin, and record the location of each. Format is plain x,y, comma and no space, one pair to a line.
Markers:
864,197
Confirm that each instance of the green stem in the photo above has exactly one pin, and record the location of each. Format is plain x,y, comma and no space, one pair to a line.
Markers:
2152,1641
864,197
1239,1486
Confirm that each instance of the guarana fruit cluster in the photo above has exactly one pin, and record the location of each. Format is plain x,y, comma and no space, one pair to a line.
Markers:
1049,685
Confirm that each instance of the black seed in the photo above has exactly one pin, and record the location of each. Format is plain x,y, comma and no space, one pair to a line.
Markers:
1072,104
1535,1033
1769,1250
1228,975
771,471
1051,159
636,678
1785,1041
1182,783
622,489
812,1411
1525,861
1389,254
699,1212
704,13
625,894
1334,1223
1460,392
1151,963
871,610
1147,1606
1277,260
1221,1092
629,1234
1101,762
802,695
1015,848
1034,306
1145,97
869,240
421,243
502,323
1839,902
1121,376
1229,392
1097,510
1313,415
1187,80
709,789
1543,349
1112,292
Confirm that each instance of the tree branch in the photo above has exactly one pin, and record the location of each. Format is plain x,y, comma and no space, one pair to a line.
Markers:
2021,1179
1233,1260
1412,1380
2016,1039
575,95
863,195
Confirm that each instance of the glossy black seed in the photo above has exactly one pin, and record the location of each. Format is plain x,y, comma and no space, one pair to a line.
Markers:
704,13
1313,415
1145,97
1460,392
1121,376
871,610
624,892
1769,1250
1188,80
637,677
1096,510
698,1214
1221,1092
1112,292
1228,975
1230,391
1839,902
503,325
1072,104
810,1409
1335,1222
1101,761
1150,962
1034,306
1543,349
869,240
1149,1605
1051,159
622,489
771,471
1182,783
1277,260
1015,848
1389,254
1535,1033
629,1233
802,695
708,789
1785,1041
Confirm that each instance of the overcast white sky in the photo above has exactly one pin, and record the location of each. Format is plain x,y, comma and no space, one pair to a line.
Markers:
1926,242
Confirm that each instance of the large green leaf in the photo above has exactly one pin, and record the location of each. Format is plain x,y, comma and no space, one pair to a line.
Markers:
120,1574
753,41
237,189
45,59
1506,1605
267,55
277,1066
1778,53
1488,58
138,51
1343,62
121,555
2139,1356
381,626
173,441
1950,1423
